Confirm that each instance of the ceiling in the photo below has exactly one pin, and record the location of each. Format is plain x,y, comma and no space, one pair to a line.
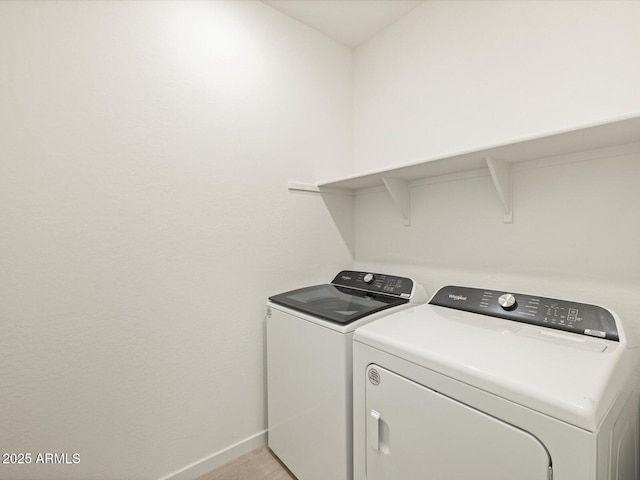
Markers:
350,22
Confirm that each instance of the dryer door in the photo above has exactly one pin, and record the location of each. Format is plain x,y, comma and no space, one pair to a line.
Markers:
416,433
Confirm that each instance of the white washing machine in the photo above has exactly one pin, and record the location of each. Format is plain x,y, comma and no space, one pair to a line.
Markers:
309,367
480,385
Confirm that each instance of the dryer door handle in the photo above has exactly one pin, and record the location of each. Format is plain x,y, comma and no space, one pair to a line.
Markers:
378,432
375,429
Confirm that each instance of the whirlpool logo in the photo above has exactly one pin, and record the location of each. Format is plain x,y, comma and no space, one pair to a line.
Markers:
457,297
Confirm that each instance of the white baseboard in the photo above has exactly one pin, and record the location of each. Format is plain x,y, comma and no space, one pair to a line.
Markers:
196,469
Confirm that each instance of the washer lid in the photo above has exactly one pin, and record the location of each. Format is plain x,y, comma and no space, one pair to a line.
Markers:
337,304
560,374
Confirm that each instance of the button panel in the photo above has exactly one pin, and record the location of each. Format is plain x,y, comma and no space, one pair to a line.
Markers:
375,282
564,315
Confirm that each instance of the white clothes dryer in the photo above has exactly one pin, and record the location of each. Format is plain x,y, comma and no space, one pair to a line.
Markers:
309,367
483,385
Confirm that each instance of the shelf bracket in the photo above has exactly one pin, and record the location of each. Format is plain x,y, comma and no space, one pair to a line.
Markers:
339,203
399,191
501,175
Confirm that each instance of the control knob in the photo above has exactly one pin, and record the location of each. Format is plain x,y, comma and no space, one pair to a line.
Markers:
507,301
368,278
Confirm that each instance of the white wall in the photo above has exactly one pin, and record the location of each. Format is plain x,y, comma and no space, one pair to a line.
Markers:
455,76
574,235
145,150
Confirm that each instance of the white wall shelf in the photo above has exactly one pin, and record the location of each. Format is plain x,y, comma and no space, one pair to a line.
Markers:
497,158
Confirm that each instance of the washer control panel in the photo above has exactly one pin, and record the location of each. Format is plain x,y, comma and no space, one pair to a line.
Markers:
564,315
375,282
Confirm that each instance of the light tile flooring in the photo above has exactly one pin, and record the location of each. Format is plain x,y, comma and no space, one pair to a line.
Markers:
259,464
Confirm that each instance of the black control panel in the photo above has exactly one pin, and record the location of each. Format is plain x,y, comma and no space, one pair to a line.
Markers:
375,282
546,312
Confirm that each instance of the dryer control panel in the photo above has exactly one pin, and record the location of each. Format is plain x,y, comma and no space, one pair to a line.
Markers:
375,282
564,315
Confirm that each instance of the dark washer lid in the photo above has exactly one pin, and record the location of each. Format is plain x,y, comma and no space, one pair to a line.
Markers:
335,303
